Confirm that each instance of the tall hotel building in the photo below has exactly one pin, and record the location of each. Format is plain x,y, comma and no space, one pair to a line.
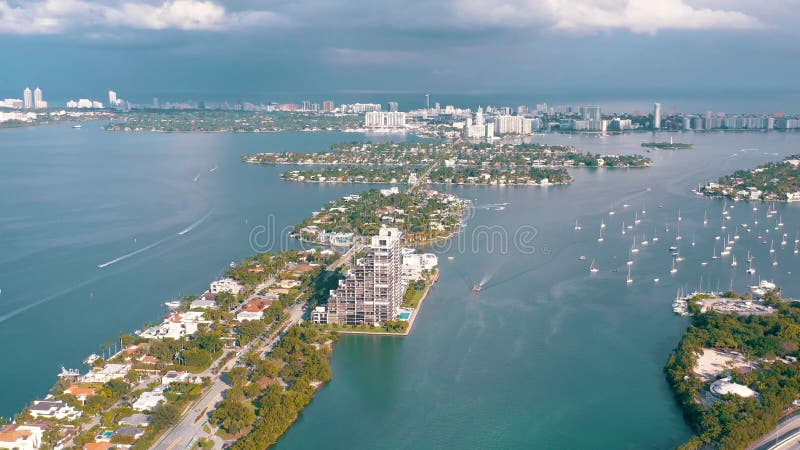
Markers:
379,119
372,291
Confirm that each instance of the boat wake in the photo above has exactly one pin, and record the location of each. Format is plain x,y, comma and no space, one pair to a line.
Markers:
195,224
36,303
133,253
155,244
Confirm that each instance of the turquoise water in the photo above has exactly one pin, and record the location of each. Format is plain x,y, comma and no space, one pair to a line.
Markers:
405,316
544,356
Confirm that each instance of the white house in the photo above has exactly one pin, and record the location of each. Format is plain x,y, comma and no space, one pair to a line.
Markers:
174,376
176,326
202,303
414,264
21,437
225,285
149,400
53,409
107,373
245,316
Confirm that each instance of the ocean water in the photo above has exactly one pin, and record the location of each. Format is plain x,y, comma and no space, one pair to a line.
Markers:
545,356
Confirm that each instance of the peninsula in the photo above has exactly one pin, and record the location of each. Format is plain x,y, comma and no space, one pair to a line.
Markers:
772,182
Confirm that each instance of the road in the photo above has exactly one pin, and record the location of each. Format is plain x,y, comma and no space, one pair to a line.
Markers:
786,436
189,430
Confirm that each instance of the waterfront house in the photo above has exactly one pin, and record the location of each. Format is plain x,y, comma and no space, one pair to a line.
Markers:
202,303
107,373
80,392
21,437
225,285
176,326
53,409
245,316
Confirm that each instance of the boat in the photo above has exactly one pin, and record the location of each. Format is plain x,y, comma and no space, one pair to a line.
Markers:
450,258
623,228
656,280
633,248
173,304
714,256
629,280
674,269
578,227
704,263
636,218
750,270
593,267
733,262
705,218
771,246
77,125
762,287
91,359
678,236
679,215
602,224
582,258
600,238
476,288
673,248
212,170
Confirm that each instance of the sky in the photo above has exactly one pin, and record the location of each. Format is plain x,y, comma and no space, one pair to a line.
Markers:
293,49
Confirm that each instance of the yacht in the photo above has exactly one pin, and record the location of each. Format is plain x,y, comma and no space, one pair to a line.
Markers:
629,280
77,125
593,267
476,288
582,258
578,227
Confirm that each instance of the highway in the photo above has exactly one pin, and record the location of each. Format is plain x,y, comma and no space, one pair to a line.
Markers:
785,436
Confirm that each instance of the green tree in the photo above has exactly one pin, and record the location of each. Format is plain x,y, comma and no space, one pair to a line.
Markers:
233,416
165,415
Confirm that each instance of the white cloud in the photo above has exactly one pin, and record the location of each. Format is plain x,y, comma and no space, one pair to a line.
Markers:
57,16
638,16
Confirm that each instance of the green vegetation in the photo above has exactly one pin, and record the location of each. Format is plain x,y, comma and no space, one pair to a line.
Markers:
778,181
300,358
667,145
235,121
734,422
422,216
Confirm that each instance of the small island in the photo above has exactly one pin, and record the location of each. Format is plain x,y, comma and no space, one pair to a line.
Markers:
500,176
772,182
667,145
735,371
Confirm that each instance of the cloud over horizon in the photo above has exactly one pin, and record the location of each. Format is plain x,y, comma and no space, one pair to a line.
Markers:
30,17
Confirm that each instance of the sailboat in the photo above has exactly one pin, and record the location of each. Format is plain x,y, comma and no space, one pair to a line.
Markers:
629,280
633,248
796,249
636,218
644,242
714,256
611,209
655,235
780,221
602,224
678,236
674,269
772,246
578,227
600,238
750,270
593,267
797,238
733,262
679,215
705,218
784,241
774,261
623,228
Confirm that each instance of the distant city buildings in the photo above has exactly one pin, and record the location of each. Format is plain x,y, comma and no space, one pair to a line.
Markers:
327,106
27,98
360,108
656,116
393,107
379,119
513,125
84,103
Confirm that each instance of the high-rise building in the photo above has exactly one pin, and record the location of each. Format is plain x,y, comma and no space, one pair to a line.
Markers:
27,98
512,125
393,107
37,98
379,119
427,101
656,116
156,103
590,113
372,291
112,98
327,106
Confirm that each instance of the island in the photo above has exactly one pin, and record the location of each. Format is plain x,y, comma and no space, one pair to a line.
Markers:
423,216
207,120
772,182
667,145
735,371
533,176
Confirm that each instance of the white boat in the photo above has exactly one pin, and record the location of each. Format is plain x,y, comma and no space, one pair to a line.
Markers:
750,270
636,218
674,269
600,238
212,170
602,224
173,304
705,218
679,215
593,267
450,258
733,262
771,246
623,228
76,126
633,248
656,280
704,263
578,227
629,280
714,256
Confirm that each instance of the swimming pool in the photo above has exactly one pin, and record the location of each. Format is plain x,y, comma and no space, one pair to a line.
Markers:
405,316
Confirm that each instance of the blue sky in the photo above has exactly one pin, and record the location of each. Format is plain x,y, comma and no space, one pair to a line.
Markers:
233,49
